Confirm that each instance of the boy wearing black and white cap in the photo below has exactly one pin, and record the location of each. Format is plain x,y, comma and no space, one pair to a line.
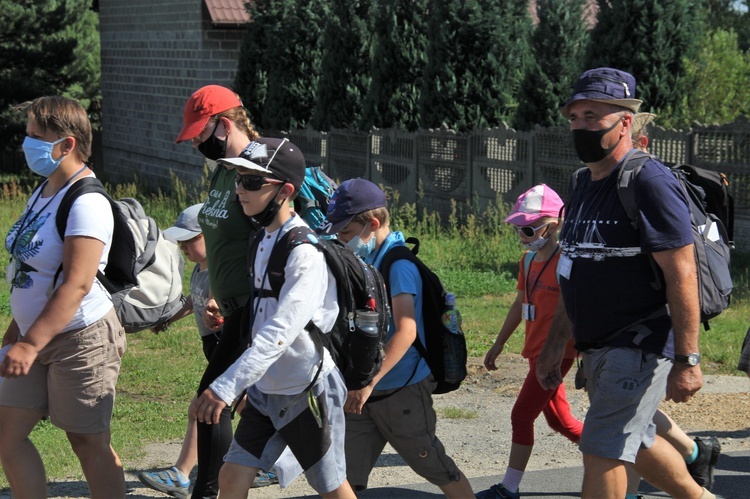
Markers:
282,360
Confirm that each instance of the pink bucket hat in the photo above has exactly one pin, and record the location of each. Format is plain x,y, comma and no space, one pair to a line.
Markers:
538,202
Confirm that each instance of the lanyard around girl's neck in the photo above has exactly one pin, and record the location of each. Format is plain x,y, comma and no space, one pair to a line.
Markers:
23,225
530,291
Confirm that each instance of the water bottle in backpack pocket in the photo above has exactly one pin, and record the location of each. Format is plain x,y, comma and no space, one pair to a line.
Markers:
365,345
454,344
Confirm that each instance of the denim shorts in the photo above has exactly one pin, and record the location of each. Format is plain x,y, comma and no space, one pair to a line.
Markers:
73,378
625,387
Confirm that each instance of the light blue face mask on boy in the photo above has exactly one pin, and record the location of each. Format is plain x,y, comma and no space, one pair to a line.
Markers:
360,248
39,156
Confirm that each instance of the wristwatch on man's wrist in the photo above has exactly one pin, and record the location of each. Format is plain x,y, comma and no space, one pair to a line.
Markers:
691,359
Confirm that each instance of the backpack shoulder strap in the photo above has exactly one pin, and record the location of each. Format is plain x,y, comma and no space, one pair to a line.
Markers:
527,258
631,166
393,255
575,179
279,256
79,188
404,253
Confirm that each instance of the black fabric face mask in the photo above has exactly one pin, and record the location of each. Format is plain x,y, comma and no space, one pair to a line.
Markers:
588,144
213,147
265,217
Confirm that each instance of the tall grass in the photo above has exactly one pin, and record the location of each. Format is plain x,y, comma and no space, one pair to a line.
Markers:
473,251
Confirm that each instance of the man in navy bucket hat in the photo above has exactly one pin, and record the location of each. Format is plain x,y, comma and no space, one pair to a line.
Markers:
638,341
606,85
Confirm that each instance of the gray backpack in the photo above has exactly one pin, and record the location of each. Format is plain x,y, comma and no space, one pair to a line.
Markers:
144,269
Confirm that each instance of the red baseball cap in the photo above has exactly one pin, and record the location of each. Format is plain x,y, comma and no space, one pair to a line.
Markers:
204,103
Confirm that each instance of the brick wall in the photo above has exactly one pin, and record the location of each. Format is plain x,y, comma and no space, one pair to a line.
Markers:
155,54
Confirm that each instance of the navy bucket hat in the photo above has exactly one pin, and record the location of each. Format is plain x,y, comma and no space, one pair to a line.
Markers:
607,85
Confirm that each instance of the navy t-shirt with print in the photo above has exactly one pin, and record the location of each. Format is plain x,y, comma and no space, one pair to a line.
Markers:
609,285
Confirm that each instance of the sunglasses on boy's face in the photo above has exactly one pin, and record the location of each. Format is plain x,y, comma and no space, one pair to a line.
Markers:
254,182
529,231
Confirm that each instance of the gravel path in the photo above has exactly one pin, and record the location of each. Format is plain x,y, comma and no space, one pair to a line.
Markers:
480,445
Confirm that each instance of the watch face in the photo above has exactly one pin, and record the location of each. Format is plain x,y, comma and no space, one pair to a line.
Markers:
691,359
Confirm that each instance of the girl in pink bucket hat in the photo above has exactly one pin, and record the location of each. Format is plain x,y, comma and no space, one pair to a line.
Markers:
536,218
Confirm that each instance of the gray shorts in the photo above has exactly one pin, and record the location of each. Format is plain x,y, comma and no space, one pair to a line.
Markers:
73,378
625,387
406,420
262,434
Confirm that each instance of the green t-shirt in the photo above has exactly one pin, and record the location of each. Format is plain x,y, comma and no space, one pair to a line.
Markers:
227,231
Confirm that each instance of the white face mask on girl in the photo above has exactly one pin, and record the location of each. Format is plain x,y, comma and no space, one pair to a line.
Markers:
536,244
541,241
360,248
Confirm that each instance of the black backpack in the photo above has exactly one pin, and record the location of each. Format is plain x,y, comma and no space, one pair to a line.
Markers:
144,269
711,216
359,286
438,338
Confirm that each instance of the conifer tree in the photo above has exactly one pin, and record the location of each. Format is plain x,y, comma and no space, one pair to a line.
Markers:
250,81
476,56
345,66
281,62
650,39
46,48
559,47
397,64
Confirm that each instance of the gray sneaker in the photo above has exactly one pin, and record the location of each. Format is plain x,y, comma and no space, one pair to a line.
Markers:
169,480
265,478
702,469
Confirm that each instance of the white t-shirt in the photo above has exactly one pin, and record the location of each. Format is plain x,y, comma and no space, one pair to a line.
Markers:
37,252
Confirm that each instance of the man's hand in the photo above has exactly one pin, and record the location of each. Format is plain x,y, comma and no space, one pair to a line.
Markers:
683,381
18,360
207,408
355,400
548,367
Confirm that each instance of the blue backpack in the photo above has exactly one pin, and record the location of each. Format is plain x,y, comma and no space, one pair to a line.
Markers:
314,194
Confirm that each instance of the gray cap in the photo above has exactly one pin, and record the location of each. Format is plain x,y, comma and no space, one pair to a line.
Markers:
186,227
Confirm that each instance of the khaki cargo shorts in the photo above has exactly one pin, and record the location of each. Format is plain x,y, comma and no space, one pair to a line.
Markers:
73,378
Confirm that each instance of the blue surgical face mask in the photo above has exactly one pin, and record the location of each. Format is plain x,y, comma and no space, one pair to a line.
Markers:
39,156
360,248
